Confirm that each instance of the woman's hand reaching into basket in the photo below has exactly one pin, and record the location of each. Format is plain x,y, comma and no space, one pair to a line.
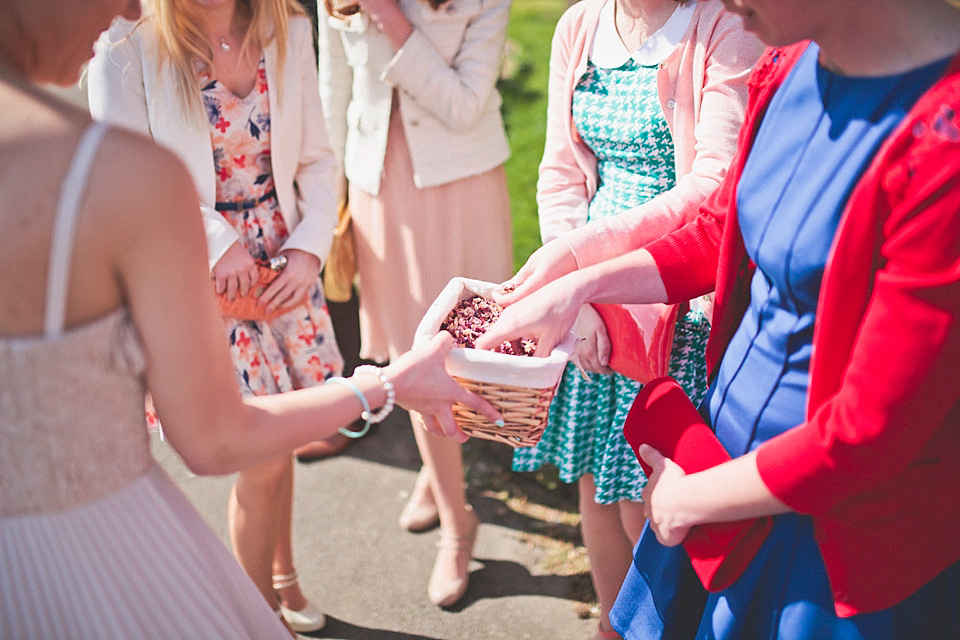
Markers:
547,264
534,306
545,314
543,300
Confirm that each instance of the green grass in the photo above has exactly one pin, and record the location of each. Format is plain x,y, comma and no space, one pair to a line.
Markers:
524,90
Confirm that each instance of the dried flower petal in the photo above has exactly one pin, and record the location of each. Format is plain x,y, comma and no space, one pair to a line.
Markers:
471,318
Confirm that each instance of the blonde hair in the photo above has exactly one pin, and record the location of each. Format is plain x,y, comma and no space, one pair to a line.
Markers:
185,47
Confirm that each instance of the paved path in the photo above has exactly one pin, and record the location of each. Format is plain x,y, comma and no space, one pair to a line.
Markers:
370,577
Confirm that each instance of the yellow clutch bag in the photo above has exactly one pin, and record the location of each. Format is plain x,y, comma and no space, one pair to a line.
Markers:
341,265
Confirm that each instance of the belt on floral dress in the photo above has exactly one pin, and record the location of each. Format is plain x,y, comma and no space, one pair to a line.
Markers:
243,205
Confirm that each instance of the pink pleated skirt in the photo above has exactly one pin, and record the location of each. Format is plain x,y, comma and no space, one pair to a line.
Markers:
138,563
411,242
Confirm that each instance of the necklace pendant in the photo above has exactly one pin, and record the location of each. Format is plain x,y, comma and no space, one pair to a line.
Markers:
224,46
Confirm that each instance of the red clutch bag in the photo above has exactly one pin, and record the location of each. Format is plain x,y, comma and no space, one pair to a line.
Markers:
641,337
663,417
246,307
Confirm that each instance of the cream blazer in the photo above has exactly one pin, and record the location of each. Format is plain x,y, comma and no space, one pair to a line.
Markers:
445,74
126,88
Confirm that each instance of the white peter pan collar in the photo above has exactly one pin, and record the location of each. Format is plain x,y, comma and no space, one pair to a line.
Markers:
608,50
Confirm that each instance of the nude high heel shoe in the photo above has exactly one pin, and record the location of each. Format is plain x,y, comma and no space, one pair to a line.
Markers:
420,512
445,590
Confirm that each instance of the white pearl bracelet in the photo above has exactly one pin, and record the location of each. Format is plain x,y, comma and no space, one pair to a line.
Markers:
384,411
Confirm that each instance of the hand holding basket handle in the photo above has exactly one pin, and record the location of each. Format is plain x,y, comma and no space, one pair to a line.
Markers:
663,417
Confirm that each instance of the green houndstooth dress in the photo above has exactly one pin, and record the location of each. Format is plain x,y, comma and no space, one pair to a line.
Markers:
617,113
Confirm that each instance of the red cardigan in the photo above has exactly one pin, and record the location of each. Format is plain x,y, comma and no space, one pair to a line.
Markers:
877,462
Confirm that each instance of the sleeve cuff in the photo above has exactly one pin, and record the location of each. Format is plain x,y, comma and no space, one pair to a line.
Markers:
795,469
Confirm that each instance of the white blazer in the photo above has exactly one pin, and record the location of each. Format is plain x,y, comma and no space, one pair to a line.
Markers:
126,88
446,74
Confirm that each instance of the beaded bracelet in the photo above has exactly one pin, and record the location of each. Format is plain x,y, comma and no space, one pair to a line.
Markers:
388,390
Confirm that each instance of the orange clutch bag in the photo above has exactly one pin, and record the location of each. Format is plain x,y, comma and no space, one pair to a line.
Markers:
247,307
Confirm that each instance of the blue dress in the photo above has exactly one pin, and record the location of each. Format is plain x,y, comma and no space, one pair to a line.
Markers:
818,136
618,115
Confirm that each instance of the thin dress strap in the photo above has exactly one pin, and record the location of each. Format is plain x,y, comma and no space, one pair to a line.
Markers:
72,189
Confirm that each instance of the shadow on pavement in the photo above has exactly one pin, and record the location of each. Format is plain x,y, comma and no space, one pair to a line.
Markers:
345,631
504,578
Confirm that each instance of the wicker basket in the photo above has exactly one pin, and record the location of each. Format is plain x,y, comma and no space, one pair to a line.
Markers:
519,387
524,410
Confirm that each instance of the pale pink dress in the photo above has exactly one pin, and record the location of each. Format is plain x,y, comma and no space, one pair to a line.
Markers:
411,242
96,541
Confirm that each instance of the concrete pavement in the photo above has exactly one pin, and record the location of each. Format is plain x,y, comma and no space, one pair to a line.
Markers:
370,577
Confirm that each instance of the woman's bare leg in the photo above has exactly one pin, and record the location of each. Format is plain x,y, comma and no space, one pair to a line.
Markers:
443,459
254,516
291,595
608,546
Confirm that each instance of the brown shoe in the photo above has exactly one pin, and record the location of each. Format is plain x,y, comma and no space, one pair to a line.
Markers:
320,449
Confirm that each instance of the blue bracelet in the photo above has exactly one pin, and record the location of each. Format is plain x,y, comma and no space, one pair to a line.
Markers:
363,402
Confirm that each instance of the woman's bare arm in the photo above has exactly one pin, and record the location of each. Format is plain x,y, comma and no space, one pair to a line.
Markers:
161,266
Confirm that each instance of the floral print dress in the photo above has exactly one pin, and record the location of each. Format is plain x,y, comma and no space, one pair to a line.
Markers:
297,349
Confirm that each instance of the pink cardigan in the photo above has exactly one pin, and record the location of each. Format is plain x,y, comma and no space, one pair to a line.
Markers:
705,74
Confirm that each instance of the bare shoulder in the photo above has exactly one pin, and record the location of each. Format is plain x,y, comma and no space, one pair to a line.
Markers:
136,179
134,162
143,210
135,191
